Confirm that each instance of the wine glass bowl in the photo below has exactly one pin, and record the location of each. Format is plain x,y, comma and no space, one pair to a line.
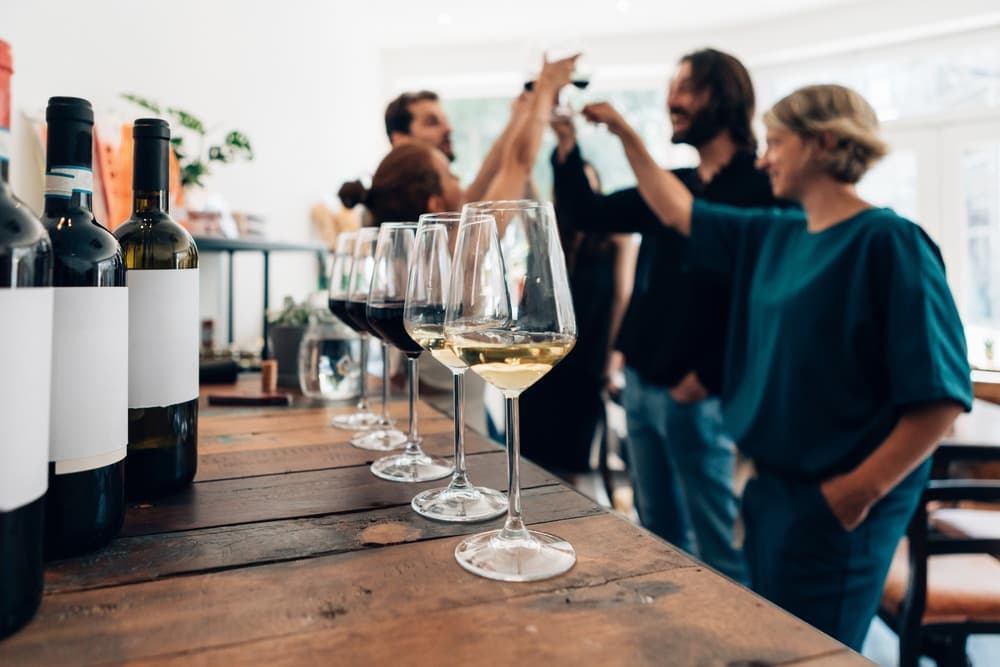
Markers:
510,319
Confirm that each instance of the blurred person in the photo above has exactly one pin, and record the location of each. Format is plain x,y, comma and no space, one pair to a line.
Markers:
415,178
419,116
846,360
561,414
681,461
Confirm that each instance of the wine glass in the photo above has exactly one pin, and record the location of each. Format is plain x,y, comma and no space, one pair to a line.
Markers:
339,302
423,317
383,438
385,315
510,319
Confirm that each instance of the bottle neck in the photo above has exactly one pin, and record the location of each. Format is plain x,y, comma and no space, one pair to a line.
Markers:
150,201
77,200
68,187
4,172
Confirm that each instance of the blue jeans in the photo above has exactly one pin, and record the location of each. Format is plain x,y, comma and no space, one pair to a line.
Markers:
803,560
681,464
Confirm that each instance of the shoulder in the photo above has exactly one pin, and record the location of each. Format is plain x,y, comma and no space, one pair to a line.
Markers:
900,242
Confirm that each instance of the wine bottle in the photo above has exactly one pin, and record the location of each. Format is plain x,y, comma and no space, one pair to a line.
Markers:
162,262
88,430
26,363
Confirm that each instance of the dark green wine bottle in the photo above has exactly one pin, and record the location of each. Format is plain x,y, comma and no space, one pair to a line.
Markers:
85,505
162,262
26,363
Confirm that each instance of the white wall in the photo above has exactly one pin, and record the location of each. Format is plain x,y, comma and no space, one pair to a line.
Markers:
297,76
497,67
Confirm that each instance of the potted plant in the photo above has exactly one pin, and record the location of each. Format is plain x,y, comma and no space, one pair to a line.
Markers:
285,330
194,161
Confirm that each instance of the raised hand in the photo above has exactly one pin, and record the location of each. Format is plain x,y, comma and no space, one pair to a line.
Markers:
603,112
556,74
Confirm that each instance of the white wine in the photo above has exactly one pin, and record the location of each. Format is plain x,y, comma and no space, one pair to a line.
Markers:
511,361
431,338
162,261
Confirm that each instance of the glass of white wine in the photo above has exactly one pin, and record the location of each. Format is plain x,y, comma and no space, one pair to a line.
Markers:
423,317
510,319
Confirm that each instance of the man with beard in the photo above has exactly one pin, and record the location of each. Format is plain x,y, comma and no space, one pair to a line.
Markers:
680,459
420,116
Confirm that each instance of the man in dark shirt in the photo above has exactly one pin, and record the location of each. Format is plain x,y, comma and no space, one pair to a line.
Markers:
680,459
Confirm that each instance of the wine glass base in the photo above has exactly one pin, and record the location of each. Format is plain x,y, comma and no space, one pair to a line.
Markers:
381,440
466,505
356,421
531,558
411,468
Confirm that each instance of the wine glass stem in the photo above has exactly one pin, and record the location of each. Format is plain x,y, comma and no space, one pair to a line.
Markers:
413,440
514,527
363,401
385,382
459,480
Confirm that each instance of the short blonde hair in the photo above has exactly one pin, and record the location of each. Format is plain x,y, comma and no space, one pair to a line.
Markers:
840,112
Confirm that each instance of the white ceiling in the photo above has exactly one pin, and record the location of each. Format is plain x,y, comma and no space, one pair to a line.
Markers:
440,22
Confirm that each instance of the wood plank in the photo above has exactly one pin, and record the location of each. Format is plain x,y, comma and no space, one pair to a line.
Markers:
296,451
150,557
684,616
366,588
842,658
301,494
241,422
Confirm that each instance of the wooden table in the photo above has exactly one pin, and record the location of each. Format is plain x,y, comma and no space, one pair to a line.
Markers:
287,551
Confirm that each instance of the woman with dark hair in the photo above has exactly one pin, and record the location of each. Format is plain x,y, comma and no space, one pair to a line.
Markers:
413,178
846,359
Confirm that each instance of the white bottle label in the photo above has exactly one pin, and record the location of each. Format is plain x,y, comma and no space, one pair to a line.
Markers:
62,182
26,360
89,421
4,144
163,337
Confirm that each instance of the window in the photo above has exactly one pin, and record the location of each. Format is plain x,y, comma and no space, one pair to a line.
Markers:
477,122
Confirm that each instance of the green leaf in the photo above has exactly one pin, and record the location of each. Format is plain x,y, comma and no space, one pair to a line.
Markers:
142,102
188,120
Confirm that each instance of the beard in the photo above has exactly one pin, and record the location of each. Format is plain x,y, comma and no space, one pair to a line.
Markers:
703,127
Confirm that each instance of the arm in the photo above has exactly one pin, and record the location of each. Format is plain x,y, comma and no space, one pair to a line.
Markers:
518,156
662,191
914,438
626,252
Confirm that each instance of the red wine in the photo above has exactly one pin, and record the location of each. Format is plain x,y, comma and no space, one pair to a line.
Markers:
356,311
162,261
339,308
88,433
387,319
579,83
26,299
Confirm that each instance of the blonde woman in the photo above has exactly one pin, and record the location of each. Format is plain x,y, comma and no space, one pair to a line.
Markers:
845,361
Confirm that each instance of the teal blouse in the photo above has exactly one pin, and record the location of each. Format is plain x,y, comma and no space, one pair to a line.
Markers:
832,335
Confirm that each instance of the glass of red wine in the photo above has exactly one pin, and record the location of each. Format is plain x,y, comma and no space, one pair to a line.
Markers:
381,437
423,316
339,301
386,300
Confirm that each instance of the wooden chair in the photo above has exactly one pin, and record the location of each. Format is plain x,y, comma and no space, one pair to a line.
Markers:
944,582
